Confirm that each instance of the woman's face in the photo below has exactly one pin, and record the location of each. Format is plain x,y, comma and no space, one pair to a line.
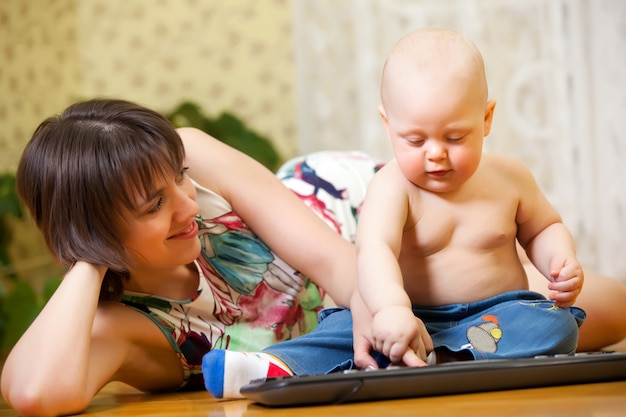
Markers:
162,233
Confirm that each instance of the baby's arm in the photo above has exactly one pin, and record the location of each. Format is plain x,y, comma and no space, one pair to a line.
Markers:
396,332
552,252
547,241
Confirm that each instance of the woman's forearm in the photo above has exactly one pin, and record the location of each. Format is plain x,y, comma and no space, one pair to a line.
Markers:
52,356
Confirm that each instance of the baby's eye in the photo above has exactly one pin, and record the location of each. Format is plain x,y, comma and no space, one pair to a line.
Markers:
455,138
414,140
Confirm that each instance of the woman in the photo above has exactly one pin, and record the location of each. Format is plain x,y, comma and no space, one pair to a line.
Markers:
198,261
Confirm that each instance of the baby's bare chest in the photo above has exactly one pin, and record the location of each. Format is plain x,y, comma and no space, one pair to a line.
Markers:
484,223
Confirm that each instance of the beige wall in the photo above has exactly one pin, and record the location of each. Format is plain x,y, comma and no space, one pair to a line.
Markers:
39,70
233,55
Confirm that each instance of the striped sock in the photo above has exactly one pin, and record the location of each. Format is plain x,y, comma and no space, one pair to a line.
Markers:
225,371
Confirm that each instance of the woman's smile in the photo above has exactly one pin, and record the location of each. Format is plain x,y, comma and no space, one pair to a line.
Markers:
189,232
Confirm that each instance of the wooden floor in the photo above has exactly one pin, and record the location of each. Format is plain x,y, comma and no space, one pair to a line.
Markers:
597,400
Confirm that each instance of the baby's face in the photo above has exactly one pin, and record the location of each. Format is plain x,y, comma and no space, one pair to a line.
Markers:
436,122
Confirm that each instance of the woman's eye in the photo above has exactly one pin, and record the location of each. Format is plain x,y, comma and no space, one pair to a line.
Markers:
157,206
181,175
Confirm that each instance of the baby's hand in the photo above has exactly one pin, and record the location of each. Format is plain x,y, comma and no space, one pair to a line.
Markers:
567,280
401,336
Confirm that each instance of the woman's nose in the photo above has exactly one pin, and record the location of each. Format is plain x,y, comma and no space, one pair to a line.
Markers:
187,205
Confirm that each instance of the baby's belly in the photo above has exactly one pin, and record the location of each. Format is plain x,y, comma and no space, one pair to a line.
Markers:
463,282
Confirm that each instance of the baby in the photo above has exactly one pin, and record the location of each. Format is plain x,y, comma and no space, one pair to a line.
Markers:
438,268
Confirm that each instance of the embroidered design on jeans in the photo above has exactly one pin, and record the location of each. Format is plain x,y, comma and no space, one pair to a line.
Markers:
486,336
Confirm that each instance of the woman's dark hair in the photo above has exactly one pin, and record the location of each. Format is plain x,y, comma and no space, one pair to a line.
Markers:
83,169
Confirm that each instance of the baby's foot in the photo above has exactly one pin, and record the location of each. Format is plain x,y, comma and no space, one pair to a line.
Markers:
225,371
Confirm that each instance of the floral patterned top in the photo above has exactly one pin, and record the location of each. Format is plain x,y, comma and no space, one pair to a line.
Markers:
248,298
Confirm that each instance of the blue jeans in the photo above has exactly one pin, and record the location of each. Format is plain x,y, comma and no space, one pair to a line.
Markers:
510,325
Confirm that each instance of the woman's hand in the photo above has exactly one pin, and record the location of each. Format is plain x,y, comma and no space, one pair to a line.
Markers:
362,333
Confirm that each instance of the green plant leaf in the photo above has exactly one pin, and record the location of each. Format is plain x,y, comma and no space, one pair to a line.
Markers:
9,200
49,288
229,129
10,206
19,309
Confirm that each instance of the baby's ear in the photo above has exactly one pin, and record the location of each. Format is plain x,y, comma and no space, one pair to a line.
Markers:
381,111
489,109
383,116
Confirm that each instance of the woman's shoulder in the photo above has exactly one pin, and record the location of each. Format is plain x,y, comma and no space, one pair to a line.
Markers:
115,320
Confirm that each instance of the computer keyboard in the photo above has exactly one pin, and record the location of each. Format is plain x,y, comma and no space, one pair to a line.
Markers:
441,379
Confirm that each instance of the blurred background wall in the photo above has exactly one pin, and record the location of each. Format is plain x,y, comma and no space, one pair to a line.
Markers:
556,68
305,73
233,55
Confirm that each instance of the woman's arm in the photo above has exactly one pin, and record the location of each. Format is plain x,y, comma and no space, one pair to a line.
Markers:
75,347
47,371
274,213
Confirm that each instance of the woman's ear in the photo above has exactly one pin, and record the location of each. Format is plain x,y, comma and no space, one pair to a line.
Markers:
489,109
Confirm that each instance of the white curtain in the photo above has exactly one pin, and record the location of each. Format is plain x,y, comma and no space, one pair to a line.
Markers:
557,69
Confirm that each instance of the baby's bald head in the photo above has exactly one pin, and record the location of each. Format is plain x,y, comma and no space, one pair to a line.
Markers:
434,56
